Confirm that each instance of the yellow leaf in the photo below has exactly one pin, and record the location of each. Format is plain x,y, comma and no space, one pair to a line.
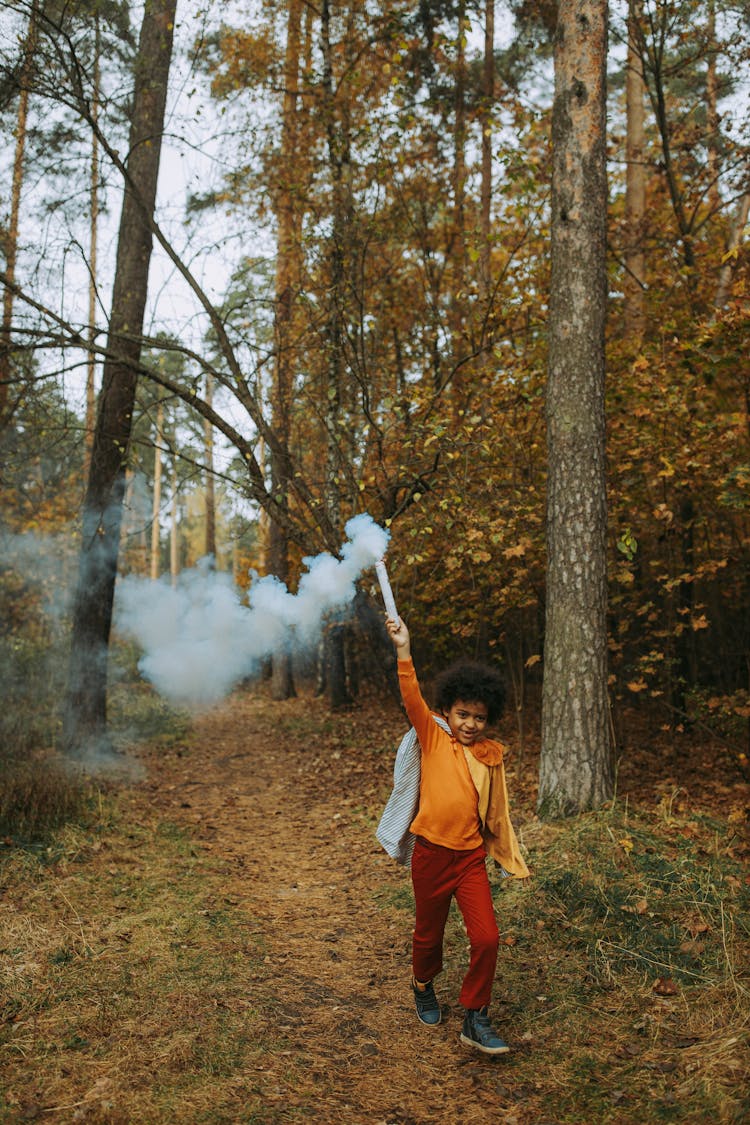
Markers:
517,551
532,660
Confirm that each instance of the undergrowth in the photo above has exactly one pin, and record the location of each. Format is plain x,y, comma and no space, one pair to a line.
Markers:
625,959
122,956
40,791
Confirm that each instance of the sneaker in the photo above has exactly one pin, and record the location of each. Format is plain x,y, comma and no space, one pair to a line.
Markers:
478,1032
428,1009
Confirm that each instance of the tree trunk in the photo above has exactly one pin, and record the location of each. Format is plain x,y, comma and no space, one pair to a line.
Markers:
85,717
11,237
287,283
488,93
458,235
335,661
174,531
339,157
336,116
635,181
93,259
576,760
156,507
712,113
208,432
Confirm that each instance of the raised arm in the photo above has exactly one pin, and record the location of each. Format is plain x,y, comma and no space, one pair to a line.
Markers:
419,713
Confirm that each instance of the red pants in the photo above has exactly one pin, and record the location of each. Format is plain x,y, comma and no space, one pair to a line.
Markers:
437,875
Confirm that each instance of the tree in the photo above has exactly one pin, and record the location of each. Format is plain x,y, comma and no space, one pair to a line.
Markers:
635,189
85,711
576,768
289,223
11,237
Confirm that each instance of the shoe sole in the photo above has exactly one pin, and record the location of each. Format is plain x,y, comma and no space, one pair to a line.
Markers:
430,1023
485,1050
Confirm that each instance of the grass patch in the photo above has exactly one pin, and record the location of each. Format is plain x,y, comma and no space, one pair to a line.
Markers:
121,963
634,931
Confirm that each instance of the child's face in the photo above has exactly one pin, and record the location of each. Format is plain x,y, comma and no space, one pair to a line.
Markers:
467,720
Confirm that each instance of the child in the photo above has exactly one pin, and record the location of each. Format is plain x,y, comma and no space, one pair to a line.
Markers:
462,814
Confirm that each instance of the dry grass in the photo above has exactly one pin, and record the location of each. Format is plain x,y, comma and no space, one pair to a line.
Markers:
199,949
38,796
636,935
121,964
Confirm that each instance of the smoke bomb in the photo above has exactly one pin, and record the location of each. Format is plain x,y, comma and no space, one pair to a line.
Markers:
385,589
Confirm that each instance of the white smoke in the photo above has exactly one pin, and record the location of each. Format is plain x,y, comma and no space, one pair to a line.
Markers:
199,639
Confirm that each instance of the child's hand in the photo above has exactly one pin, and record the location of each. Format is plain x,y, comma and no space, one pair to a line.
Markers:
399,634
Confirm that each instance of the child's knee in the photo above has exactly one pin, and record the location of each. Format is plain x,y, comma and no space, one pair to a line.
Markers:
486,939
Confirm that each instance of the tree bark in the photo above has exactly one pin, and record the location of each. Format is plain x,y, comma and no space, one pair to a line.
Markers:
11,238
287,282
635,181
337,690
93,259
712,113
156,506
576,770
210,490
339,163
488,100
458,234
174,530
85,715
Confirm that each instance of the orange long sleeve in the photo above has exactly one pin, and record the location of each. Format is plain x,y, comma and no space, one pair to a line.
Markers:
448,811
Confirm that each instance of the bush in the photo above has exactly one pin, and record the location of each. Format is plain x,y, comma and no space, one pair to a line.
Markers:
36,797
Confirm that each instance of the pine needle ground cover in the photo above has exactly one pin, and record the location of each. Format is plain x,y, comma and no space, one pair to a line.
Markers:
223,941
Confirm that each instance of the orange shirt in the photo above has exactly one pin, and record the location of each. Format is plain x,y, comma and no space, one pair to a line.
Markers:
448,811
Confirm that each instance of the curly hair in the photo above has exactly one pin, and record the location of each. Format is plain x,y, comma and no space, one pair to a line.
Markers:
471,683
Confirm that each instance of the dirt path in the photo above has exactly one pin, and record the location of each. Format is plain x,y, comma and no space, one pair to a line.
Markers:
326,909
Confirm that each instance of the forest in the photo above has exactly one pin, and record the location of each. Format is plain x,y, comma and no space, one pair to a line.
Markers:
476,272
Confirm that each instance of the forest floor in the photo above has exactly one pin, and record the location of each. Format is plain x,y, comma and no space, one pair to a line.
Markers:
226,942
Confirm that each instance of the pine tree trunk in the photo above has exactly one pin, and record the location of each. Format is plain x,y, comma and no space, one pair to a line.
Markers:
576,761
335,657
635,180
174,531
210,490
287,282
156,507
338,140
93,259
712,113
85,717
458,235
11,236
488,93
338,154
